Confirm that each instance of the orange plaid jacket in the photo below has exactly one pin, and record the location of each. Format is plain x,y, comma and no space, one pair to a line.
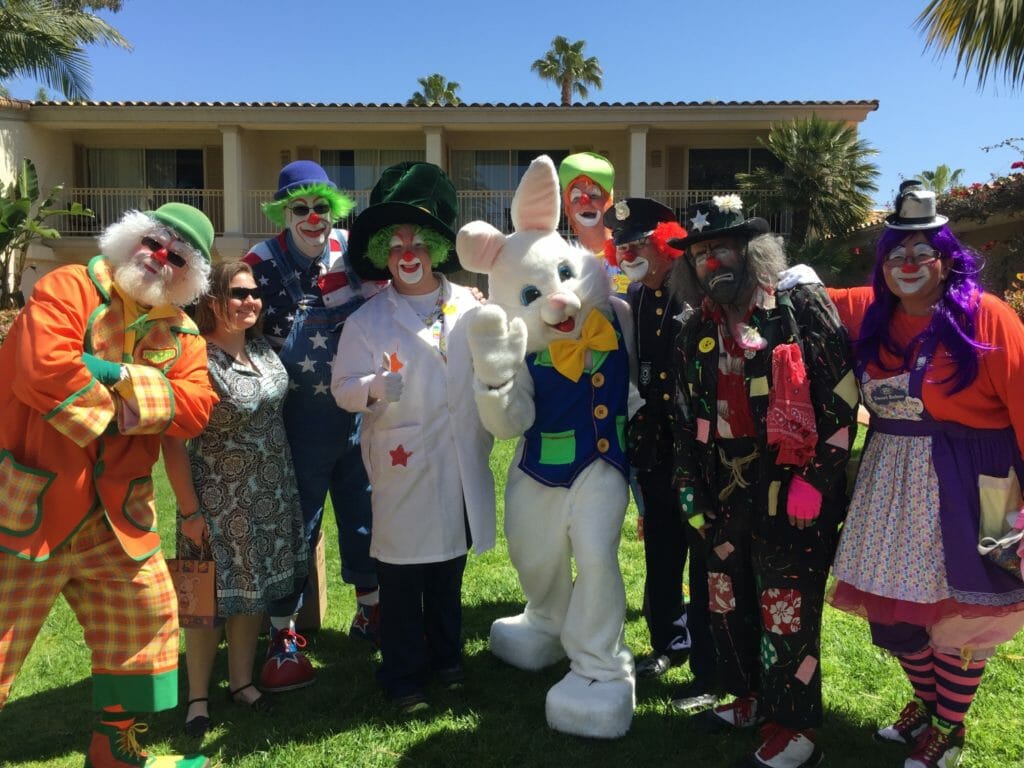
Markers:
70,445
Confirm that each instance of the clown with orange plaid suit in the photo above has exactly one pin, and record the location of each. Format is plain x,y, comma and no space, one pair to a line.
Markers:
98,365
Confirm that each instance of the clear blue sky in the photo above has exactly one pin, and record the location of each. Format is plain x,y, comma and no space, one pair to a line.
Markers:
650,50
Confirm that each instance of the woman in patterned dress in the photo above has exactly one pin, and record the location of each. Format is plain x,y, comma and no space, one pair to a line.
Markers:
236,491
941,368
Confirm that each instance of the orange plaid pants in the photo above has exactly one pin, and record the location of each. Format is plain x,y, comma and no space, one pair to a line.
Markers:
128,610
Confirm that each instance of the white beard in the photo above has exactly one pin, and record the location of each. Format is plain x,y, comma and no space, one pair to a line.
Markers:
156,290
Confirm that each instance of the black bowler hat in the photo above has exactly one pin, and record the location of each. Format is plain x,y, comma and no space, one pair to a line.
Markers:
721,216
634,218
406,193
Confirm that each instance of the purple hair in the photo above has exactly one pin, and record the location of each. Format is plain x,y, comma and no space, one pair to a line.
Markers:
953,318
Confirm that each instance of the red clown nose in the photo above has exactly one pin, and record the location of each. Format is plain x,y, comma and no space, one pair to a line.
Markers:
313,218
908,268
408,256
712,264
160,255
584,199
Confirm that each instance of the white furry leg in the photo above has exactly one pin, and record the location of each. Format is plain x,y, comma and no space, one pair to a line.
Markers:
516,641
582,707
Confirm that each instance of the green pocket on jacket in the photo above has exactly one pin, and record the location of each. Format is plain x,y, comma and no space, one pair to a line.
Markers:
558,447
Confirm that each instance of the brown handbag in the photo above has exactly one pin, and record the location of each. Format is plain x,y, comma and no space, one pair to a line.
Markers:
196,588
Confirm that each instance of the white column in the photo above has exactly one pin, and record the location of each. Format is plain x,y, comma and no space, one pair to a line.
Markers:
638,161
433,140
234,188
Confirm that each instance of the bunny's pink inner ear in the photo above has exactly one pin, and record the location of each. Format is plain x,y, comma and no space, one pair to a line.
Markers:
478,245
537,204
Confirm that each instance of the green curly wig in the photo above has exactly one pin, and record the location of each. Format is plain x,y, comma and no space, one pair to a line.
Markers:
379,246
341,206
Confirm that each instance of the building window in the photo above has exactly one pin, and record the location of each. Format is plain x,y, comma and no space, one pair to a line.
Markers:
495,169
717,168
360,169
152,168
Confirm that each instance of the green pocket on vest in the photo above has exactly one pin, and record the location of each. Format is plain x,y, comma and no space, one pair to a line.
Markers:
620,432
558,447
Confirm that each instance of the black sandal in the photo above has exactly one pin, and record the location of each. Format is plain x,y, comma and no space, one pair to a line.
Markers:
262,705
197,727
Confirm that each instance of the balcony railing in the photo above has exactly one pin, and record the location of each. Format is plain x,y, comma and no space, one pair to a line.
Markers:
109,204
492,206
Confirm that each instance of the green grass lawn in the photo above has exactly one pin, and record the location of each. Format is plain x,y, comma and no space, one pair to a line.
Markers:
498,720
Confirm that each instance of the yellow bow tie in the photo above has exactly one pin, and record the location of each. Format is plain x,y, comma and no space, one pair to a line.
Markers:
569,356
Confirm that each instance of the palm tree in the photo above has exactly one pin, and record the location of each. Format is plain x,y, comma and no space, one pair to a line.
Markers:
825,177
941,180
566,66
987,35
437,91
44,39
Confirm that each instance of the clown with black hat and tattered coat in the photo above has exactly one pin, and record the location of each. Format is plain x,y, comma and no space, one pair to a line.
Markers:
403,361
763,434
101,363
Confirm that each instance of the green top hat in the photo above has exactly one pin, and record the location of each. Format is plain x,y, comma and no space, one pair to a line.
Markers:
407,193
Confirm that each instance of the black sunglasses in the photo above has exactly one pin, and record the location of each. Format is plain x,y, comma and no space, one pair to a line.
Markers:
156,245
320,209
245,293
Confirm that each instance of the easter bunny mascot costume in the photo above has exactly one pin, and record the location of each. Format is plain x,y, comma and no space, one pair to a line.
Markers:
553,365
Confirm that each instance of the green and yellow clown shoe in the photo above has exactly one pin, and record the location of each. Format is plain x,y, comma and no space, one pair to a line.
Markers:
116,745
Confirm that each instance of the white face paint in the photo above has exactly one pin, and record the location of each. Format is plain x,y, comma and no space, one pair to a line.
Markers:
409,261
910,282
635,270
309,220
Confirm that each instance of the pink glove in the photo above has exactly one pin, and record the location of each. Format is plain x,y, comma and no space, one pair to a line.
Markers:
804,500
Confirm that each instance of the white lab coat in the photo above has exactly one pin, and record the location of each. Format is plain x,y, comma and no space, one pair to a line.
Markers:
434,429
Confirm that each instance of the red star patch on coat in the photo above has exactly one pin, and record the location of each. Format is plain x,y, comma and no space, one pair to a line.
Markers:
400,456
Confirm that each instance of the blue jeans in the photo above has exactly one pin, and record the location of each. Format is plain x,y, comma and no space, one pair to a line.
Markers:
324,442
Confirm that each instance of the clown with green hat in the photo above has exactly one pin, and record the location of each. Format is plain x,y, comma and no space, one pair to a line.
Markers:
403,362
100,364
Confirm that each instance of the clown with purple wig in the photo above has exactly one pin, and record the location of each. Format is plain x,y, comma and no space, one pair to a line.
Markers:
938,360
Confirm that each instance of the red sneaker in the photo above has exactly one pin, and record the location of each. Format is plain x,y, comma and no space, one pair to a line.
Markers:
912,722
937,749
786,748
286,667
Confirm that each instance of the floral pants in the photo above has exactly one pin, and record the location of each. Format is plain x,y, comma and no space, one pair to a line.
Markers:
766,585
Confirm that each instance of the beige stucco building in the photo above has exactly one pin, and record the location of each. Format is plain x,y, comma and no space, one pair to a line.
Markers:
224,157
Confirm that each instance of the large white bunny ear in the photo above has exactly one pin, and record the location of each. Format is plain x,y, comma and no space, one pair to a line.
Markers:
478,245
537,204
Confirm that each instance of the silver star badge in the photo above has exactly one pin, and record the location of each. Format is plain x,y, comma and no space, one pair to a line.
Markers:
621,210
699,221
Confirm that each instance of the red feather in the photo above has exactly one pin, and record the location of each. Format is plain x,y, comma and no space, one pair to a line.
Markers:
665,231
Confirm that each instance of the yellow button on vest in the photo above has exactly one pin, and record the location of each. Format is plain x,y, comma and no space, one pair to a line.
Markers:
662,375
659,311
666,396
658,293
601,411
602,445
597,379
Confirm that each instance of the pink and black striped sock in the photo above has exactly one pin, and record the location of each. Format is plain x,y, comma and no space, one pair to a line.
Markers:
921,673
955,686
